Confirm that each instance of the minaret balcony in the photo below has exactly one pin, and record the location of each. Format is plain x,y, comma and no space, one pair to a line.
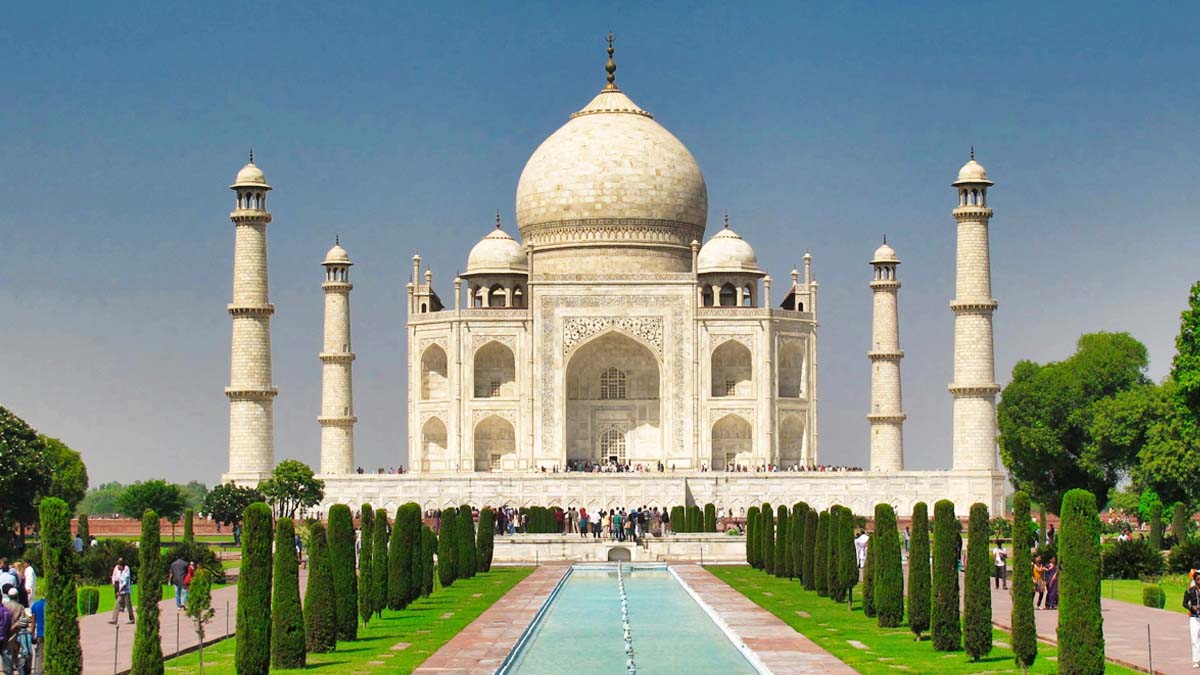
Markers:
886,418
974,389
973,306
250,393
336,357
337,420
884,355
251,310
885,285
972,213
337,286
240,216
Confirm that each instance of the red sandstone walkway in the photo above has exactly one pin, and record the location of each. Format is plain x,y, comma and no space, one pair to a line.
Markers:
1124,632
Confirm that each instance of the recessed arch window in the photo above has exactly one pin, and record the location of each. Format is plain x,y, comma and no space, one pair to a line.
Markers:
612,446
612,383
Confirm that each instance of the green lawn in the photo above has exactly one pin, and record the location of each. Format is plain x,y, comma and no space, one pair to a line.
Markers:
1130,590
833,627
107,599
424,625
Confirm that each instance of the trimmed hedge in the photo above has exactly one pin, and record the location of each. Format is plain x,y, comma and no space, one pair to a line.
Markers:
847,558
796,538
399,564
766,530
254,592
944,620
447,569
977,610
868,576
379,562
1024,628
288,649
752,537
710,517
89,601
341,562
1156,526
918,571
1180,522
811,518
821,556
417,572
1153,596
888,569
188,533
1080,625
678,521
320,614
695,519
147,645
466,560
783,557
63,655
485,542
428,549
365,575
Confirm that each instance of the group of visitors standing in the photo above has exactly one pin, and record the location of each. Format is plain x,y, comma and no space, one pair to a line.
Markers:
616,524
22,620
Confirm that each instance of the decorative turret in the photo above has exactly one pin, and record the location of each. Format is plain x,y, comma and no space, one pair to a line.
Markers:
250,390
728,271
337,392
886,415
974,388
497,271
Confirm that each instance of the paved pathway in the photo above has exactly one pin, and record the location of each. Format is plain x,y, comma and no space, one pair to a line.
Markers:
1124,632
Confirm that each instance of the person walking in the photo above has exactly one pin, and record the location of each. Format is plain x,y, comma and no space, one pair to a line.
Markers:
121,589
1191,602
860,548
38,610
1051,575
30,582
177,575
999,558
1039,583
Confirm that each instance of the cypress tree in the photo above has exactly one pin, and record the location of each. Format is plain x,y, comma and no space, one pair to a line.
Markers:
694,518
868,572
447,568
486,536
833,576
147,645
365,575
752,536
288,649
416,573
888,569
1080,625
977,605
379,562
783,557
944,621
188,534
465,542
428,549
766,529
710,517
63,655
341,562
678,521
1179,522
1024,628
398,567
811,519
1156,526
918,571
254,592
320,620
821,556
847,557
84,532
796,538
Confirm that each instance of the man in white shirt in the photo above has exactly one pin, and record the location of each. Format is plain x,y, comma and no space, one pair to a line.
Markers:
30,581
999,557
860,548
120,582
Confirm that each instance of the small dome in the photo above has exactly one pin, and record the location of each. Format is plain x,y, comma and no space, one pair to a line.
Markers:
497,253
885,254
337,256
250,176
972,172
727,252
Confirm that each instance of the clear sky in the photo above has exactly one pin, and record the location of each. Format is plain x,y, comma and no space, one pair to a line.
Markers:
819,127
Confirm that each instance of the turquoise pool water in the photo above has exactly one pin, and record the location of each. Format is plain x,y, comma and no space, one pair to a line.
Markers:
580,632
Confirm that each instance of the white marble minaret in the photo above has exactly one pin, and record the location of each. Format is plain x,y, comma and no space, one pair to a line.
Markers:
337,394
250,391
974,388
887,412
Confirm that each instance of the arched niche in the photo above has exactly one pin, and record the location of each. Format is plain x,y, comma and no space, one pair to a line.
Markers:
791,369
433,441
434,384
495,371
495,443
612,383
732,441
731,370
791,440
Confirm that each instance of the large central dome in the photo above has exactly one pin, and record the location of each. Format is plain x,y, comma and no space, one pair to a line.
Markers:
615,188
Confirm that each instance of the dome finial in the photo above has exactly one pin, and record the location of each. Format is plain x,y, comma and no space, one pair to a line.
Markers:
972,152
252,154
611,66
727,219
337,239
497,219
885,237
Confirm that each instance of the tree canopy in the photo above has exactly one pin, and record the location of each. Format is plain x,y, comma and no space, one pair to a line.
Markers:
69,476
226,502
165,499
25,472
292,487
1080,422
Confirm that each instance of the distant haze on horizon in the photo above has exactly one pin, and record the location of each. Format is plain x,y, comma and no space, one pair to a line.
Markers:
405,129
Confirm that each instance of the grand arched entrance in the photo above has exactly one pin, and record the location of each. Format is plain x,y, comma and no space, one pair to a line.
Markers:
613,402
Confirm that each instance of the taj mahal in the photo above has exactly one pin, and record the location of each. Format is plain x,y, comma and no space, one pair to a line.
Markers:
610,331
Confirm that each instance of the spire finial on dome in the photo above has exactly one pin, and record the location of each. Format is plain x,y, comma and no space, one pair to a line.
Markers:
885,237
497,219
611,66
727,219
972,152
337,240
252,154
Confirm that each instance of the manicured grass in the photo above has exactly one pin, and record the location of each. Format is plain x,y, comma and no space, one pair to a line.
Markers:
1130,590
424,625
833,626
108,598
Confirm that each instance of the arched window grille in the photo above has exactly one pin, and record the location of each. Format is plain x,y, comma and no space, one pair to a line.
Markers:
612,384
612,444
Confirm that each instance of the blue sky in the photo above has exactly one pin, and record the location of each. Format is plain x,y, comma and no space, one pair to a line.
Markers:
818,126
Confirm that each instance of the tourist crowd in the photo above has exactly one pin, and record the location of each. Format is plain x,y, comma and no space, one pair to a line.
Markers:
22,620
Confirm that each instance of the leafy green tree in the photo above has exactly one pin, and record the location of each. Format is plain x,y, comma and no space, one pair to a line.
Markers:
485,544
447,552
341,560
888,569
292,487
868,590
783,556
1185,368
25,472
199,607
918,571
253,646
365,560
977,609
752,537
69,477
226,503
945,626
796,539
811,518
821,559
1024,628
101,500
320,614
288,648
1080,624
159,496
1156,527
1180,522
766,527
194,494
428,550
188,533
1055,432
379,562
63,655
84,532
147,645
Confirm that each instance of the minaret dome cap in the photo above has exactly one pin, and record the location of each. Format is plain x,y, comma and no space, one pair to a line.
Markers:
250,176
337,256
727,253
972,173
885,254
